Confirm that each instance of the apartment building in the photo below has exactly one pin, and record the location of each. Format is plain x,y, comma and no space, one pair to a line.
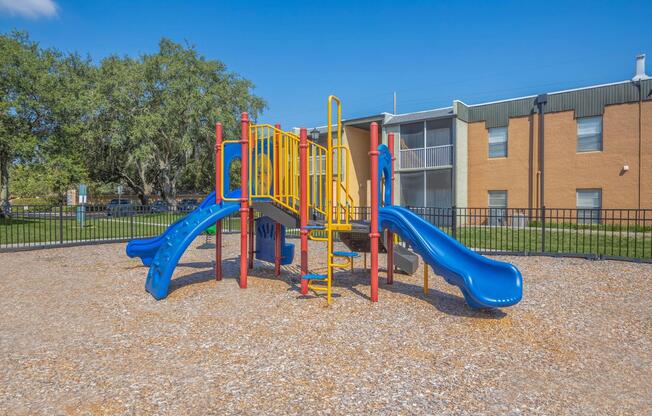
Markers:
596,141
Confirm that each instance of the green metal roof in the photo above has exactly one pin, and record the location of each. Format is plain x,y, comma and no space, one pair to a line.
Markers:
585,102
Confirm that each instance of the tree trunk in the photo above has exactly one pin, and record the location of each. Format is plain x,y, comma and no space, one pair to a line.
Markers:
146,188
168,189
4,184
138,183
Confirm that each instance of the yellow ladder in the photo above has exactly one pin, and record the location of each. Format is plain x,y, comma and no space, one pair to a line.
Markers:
338,204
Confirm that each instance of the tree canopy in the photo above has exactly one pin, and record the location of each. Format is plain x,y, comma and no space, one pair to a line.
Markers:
146,122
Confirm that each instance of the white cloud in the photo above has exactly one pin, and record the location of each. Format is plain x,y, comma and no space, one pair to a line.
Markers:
32,9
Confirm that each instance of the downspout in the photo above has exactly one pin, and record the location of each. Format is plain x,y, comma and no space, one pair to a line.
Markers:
640,139
541,101
640,75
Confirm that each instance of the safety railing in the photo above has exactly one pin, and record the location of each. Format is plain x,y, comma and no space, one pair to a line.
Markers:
338,195
274,168
344,200
317,178
274,165
426,157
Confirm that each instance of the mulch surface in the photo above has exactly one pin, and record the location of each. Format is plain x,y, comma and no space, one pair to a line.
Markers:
79,335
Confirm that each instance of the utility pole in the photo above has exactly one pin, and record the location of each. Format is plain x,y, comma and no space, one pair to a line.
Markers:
394,103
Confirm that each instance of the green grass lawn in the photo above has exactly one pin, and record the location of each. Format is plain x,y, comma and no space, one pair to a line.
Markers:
32,230
610,243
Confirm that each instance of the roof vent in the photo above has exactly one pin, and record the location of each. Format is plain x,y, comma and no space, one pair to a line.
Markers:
640,68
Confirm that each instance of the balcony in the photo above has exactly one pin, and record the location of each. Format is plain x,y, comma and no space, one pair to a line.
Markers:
426,157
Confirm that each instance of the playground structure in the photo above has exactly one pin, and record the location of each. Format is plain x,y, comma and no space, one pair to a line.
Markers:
295,182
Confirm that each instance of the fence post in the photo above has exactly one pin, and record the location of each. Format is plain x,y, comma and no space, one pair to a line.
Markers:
543,229
61,223
131,224
454,219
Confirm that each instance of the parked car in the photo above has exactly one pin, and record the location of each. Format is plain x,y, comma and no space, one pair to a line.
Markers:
5,211
188,204
119,208
160,206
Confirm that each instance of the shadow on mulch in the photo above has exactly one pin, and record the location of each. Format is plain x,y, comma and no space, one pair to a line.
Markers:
442,301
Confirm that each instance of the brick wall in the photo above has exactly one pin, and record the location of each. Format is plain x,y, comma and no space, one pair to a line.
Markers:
565,169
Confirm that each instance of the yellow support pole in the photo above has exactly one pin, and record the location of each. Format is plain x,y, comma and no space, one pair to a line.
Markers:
425,278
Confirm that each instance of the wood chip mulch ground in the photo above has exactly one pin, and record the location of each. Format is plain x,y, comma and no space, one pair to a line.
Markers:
79,335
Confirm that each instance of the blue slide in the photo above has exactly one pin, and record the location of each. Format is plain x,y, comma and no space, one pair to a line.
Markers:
176,240
485,283
146,248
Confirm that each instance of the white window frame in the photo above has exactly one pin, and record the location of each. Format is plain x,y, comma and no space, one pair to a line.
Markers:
495,131
497,214
594,216
580,137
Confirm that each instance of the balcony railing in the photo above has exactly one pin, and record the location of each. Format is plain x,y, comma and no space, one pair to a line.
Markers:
427,157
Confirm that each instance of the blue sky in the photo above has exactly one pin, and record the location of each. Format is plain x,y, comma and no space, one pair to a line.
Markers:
298,52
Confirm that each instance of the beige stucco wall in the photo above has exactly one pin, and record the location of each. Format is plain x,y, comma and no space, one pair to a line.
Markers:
461,164
565,169
357,141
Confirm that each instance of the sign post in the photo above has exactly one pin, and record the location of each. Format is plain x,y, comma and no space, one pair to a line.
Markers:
81,208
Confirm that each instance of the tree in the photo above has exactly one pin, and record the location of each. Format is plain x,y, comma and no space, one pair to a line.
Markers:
44,103
187,95
156,115
25,73
119,148
146,122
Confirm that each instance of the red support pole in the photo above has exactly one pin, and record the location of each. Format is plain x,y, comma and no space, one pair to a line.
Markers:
303,205
374,235
277,181
218,199
390,235
244,197
252,226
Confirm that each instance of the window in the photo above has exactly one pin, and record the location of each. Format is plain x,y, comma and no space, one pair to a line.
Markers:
412,189
497,207
439,186
589,203
439,196
497,199
438,133
412,135
498,142
589,134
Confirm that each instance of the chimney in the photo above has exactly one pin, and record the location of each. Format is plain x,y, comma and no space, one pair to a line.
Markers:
640,68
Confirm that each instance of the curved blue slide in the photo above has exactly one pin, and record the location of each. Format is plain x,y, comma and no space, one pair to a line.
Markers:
485,283
176,240
146,248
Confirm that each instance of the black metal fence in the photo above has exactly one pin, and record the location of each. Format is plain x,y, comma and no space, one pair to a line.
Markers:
608,233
